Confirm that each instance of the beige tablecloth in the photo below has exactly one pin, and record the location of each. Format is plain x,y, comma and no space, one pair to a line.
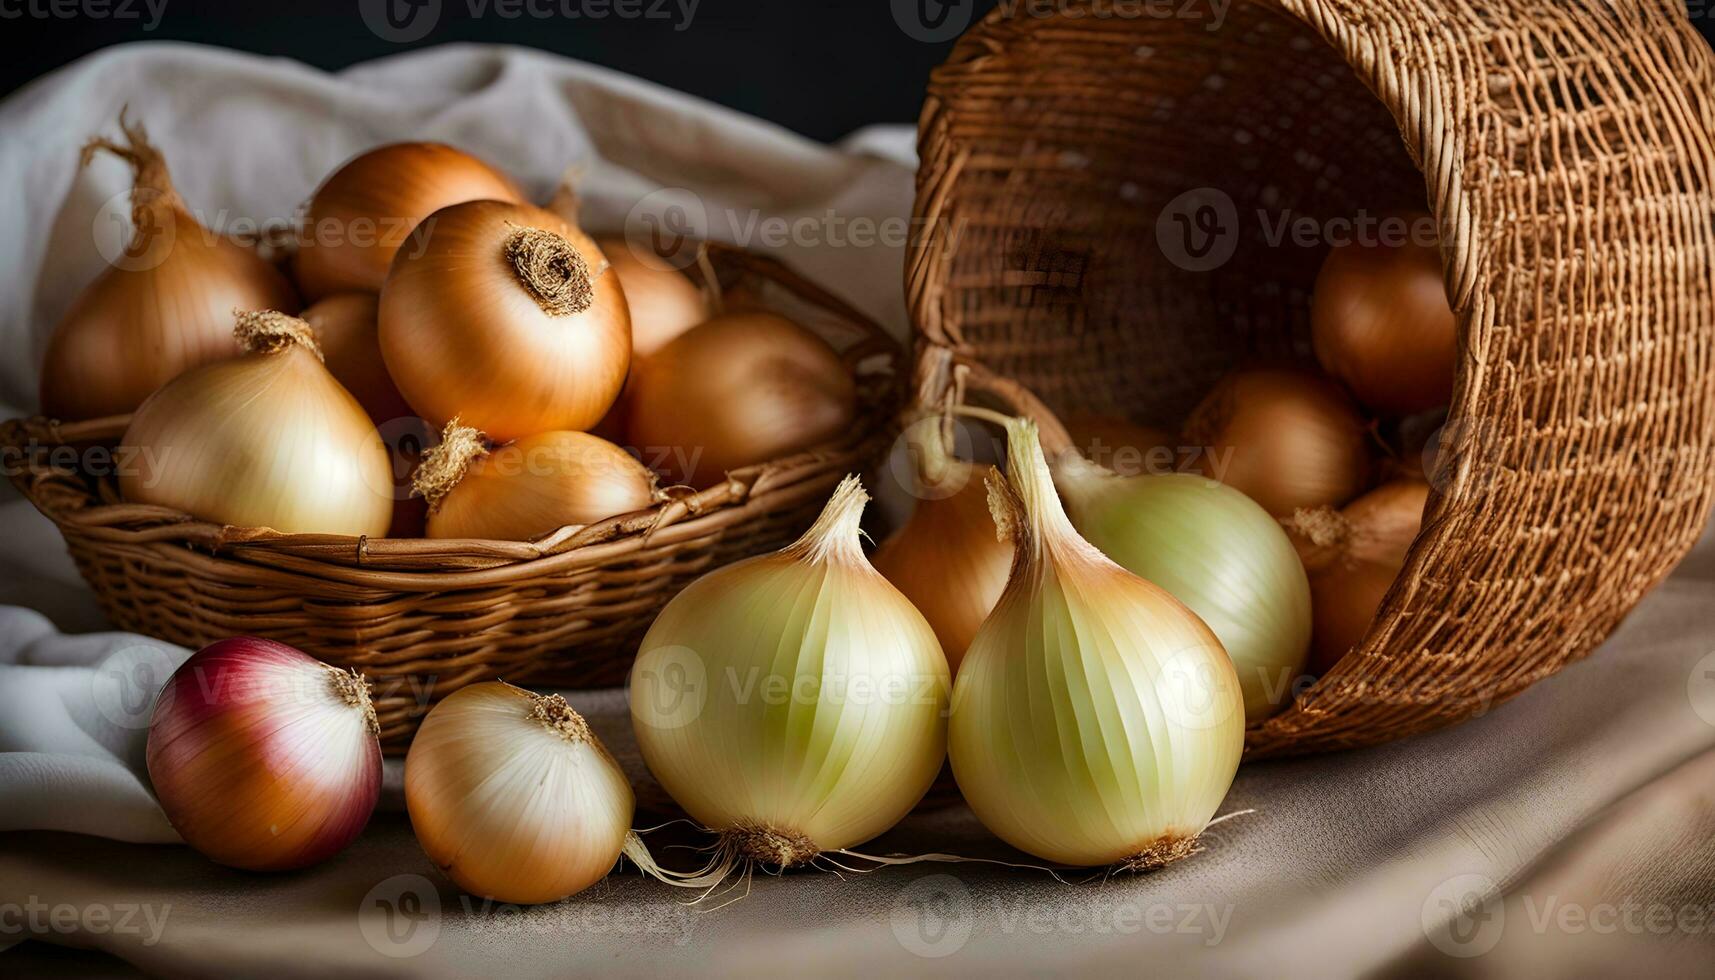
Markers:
1558,832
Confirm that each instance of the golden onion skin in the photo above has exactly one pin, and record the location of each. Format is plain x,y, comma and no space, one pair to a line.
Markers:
948,560
161,308
539,484
1381,323
464,337
740,389
261,440
1287,439
370,208
512,796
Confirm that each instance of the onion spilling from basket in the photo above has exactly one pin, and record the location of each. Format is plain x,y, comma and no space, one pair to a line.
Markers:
1112,600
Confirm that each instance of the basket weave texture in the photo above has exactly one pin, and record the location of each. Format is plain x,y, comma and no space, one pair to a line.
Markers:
1564,147
422,618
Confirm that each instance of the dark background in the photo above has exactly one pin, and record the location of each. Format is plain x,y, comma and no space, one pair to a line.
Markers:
820,67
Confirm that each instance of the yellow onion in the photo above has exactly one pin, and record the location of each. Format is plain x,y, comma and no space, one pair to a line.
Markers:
372,206
1353,557
507,317
795,702
1095,719
513,796
1381,322
664,303
1216,551
346,331
528,488
262,757
268,439
947,559
740,389
163,306
1124,447
1286,439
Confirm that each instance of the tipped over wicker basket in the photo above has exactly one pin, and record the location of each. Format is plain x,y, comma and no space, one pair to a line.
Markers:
422,618
1565,149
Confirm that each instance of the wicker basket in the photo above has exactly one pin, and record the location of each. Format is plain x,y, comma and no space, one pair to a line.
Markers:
422,618
1563,146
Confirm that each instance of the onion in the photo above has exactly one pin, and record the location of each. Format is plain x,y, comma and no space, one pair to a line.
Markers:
264,758
663,302
1284,438
508,318
268,439
1380,322
1095,719
795,702
346,331
513,796
740,389
1353,557
371,206
529,488
1216,551
162,307
947,558
1124,447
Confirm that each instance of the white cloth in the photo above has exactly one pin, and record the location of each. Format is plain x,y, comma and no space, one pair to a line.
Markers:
1344,868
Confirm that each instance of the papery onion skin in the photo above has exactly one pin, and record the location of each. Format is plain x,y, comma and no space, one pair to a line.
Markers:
1285,438
513,797
1095,719
371,207
796,695
348,334
162,308
464,335
263,758
664,303
1215,550
947,558
539,484
1381,323
267,439
738,390
1351,574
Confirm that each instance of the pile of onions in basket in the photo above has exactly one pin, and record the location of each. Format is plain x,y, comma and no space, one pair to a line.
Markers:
1309,447
445,306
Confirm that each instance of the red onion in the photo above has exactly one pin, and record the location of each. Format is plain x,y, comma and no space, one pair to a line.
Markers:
264,758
